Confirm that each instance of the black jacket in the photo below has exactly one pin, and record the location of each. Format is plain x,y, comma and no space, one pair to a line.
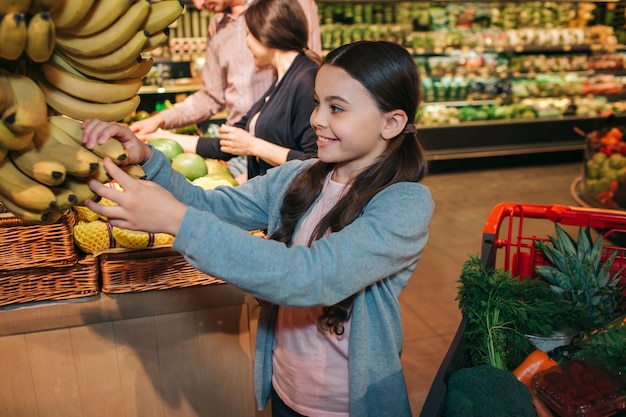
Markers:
283,119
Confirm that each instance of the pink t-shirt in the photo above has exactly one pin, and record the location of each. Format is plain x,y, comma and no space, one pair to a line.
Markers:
311,367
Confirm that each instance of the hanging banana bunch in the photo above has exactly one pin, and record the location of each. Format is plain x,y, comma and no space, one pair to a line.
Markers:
74,60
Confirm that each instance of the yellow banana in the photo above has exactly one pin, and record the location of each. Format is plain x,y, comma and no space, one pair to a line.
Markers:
136,69
135,171
11,6
65,198
89,89
57,145
3,153
37,6
157,39
69,13
40,37
119,58
111,148
23,190
101,16
12,35
81,109
28,110
38,166
81,190
111,38
163,14
30,216
11,141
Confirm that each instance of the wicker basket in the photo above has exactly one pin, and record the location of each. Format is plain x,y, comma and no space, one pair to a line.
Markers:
78,280
37,246
148,269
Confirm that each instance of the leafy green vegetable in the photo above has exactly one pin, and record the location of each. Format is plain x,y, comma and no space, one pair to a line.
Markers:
606,344
484,390
501,309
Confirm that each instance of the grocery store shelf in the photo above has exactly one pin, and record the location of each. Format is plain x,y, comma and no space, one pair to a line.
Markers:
170,89
509,137
504,150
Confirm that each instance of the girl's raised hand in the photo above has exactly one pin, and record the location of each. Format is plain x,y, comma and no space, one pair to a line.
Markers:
98,131
142,205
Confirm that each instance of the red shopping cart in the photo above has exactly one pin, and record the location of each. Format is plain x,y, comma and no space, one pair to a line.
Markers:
509,242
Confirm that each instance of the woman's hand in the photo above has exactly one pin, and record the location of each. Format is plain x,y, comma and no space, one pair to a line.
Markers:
237,141
143,205
144,127
98,131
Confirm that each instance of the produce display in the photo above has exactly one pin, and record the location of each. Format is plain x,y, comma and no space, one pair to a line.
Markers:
79,59
432,25
604,169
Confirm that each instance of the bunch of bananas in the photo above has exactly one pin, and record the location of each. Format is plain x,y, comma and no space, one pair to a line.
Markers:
79,58
47,175
93,233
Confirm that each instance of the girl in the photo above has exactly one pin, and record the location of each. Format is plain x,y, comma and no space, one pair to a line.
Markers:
346,232
276,129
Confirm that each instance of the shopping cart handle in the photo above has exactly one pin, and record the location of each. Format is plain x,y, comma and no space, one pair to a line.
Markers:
565,215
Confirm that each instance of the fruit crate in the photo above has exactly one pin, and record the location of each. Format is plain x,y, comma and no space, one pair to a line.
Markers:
156,268
37,246
509,241
50,283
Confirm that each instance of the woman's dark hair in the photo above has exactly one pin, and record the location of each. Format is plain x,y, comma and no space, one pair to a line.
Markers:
279,24
390,74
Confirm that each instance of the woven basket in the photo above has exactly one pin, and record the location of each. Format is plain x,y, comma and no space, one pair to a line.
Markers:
50,283
148,269
37,246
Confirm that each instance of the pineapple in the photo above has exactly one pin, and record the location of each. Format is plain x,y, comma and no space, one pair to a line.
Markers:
578,275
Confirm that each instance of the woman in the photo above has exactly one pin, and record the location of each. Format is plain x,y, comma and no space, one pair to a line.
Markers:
276,129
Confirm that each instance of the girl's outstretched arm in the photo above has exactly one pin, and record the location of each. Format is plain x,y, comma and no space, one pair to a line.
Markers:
143,205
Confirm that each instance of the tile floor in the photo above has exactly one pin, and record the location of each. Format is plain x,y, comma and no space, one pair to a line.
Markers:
463,201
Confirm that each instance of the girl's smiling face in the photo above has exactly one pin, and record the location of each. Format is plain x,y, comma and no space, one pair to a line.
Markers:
350,128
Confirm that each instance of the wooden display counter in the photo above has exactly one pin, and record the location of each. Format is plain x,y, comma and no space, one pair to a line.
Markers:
184,352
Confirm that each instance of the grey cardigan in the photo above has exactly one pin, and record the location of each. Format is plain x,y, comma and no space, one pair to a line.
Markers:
374,257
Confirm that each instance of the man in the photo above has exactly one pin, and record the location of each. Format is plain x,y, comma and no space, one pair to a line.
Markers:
231,81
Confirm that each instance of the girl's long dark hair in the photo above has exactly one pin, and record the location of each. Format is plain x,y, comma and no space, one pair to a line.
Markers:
389,73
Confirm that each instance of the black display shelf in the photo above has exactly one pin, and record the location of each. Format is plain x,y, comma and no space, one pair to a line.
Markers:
496,138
